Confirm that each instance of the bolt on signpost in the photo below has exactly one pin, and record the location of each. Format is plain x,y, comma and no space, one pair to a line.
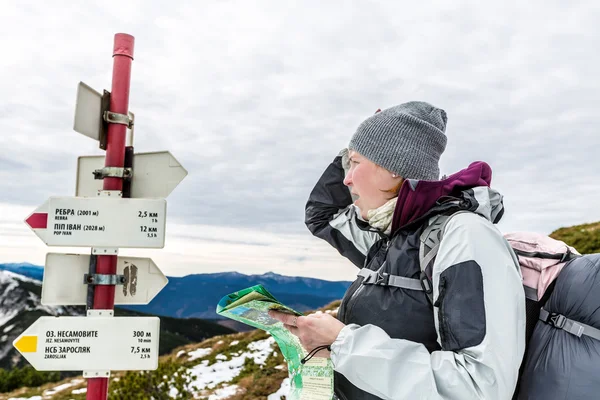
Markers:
119,203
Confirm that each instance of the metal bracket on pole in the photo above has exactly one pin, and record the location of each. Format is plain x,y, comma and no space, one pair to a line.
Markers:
113,172
103,279
116,118
92,272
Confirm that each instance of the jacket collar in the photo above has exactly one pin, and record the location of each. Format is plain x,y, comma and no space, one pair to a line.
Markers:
466,189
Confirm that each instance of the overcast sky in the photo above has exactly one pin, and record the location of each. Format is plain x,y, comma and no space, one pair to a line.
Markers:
256,98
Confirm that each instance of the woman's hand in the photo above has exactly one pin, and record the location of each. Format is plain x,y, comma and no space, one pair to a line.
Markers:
314,330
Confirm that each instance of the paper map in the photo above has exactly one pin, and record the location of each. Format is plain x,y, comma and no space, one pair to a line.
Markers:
311,381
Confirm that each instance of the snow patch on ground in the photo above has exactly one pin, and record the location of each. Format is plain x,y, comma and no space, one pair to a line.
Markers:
224,392
199,353
262,349
62,387
210,376
284,390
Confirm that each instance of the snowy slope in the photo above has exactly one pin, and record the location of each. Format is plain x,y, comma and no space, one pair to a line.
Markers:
20,306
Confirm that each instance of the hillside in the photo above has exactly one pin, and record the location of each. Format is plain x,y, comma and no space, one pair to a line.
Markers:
585,238
244,365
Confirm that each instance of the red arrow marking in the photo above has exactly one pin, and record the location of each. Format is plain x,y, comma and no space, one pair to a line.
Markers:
38,221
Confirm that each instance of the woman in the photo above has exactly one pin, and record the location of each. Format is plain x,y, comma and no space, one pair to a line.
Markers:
463,337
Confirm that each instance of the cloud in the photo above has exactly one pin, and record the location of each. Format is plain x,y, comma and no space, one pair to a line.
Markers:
256,101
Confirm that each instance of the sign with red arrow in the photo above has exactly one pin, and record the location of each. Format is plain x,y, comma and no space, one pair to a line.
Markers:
100,222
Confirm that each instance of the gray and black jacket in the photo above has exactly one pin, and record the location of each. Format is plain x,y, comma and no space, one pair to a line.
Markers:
396,345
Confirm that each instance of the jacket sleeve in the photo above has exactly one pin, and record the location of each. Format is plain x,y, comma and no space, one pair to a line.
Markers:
480,320
330,215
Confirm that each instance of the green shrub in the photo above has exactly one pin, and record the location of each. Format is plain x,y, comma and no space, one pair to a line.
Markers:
155,385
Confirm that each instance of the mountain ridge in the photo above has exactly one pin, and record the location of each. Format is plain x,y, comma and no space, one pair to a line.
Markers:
196,295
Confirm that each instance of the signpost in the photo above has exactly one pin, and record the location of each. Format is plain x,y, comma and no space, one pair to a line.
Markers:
100,222
120,203
142,280
93,343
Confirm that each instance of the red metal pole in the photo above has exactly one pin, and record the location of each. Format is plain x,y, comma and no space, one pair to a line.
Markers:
104,295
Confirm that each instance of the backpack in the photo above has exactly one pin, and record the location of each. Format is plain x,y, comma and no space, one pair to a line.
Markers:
563,355
562,295
541,260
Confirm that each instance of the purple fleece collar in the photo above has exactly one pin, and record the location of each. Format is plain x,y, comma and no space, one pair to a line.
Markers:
418,197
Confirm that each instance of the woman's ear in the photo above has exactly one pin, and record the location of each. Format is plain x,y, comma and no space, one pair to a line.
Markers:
396,189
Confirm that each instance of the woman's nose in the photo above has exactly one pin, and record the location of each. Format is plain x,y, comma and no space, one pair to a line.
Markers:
348,179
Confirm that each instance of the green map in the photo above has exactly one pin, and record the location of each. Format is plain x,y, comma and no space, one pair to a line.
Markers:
310,381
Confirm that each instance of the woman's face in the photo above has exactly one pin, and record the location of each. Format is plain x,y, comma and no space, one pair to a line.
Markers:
369,182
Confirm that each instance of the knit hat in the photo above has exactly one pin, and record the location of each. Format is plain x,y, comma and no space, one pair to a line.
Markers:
407,139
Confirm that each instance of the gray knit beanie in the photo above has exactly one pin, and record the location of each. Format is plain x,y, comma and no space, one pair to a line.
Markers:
407,139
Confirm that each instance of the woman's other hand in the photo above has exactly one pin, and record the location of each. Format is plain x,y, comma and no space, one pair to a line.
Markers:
313,330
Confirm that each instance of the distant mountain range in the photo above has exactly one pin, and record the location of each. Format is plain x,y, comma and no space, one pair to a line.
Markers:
196,296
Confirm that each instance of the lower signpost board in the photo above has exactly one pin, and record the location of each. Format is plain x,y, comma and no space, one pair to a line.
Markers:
91,343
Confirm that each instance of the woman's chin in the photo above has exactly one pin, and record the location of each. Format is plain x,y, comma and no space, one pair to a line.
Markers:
363,214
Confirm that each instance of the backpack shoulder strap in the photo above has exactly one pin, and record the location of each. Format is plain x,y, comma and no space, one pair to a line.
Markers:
429,245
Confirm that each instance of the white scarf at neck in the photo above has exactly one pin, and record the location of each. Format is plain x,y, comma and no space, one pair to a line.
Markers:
381,218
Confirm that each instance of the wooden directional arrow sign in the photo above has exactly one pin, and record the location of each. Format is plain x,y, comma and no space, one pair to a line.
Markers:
63,280
91,343
100,222
155,175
